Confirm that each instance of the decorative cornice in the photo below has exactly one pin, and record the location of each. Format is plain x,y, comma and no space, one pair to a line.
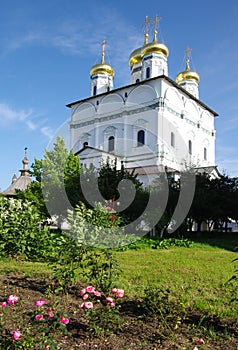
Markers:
160,103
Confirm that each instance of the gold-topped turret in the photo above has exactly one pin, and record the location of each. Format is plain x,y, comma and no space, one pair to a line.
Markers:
155,46
102,68
188,74
135,56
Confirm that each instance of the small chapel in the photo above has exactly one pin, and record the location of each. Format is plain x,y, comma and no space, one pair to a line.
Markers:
153,124
19,182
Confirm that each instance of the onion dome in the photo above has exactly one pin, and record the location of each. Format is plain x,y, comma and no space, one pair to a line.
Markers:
188,74
155,47
135,57
21,182
102,68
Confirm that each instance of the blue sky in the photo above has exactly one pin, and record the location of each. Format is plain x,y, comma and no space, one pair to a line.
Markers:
48,47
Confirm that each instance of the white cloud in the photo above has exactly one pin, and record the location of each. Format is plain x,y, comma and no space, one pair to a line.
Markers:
10,117
47,131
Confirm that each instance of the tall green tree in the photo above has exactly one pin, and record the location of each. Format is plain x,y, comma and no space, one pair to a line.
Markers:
111,180
56,184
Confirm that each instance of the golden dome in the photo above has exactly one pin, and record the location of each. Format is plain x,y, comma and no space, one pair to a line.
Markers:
187,75
135,57
155,47
102,68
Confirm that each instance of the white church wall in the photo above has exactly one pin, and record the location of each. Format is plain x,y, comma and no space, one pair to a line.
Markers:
110,103
83,111
141,94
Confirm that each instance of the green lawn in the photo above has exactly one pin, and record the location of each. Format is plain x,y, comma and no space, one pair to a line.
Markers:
197,274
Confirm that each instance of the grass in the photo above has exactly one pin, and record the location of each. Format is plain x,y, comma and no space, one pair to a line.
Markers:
28,268
198,274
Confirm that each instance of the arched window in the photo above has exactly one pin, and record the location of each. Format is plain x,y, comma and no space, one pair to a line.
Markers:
205,153
172,139
140,138
111,143
94,90
190,150
137,80
147,72
85,144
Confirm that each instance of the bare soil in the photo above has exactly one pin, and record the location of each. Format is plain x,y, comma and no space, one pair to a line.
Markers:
136,331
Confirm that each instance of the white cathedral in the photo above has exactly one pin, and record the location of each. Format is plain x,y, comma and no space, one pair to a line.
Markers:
152,124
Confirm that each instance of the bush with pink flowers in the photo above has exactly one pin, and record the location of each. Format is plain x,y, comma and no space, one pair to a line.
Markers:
102,310
39,327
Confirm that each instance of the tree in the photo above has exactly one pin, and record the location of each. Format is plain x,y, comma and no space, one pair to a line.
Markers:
55,187
133,197
215,201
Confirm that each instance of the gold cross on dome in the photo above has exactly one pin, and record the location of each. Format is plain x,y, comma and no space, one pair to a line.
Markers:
156,20
145,24
103,44
188,56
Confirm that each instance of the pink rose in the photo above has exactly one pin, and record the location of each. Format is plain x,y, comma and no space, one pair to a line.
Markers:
90,289
50,314
97,294
81,306
64,320
114,290
12,299
112,304
4,304
200,341
120,293
196,348
40,302
86,305
85,296
39,317
109,299
83,291
16,334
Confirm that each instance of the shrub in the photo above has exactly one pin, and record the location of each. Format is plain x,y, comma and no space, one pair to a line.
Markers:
20,230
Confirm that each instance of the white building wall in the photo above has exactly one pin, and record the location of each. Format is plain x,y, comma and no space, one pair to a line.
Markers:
158,108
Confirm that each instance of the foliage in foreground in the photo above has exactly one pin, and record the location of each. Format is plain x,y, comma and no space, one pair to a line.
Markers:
20,231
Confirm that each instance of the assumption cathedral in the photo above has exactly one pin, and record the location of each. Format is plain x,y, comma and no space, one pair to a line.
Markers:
153,124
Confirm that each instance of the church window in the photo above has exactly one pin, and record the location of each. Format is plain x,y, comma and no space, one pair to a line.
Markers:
126,94
172,139
190,147
205,153
137,80
111,143
94,90
140,138
147,72
85,144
